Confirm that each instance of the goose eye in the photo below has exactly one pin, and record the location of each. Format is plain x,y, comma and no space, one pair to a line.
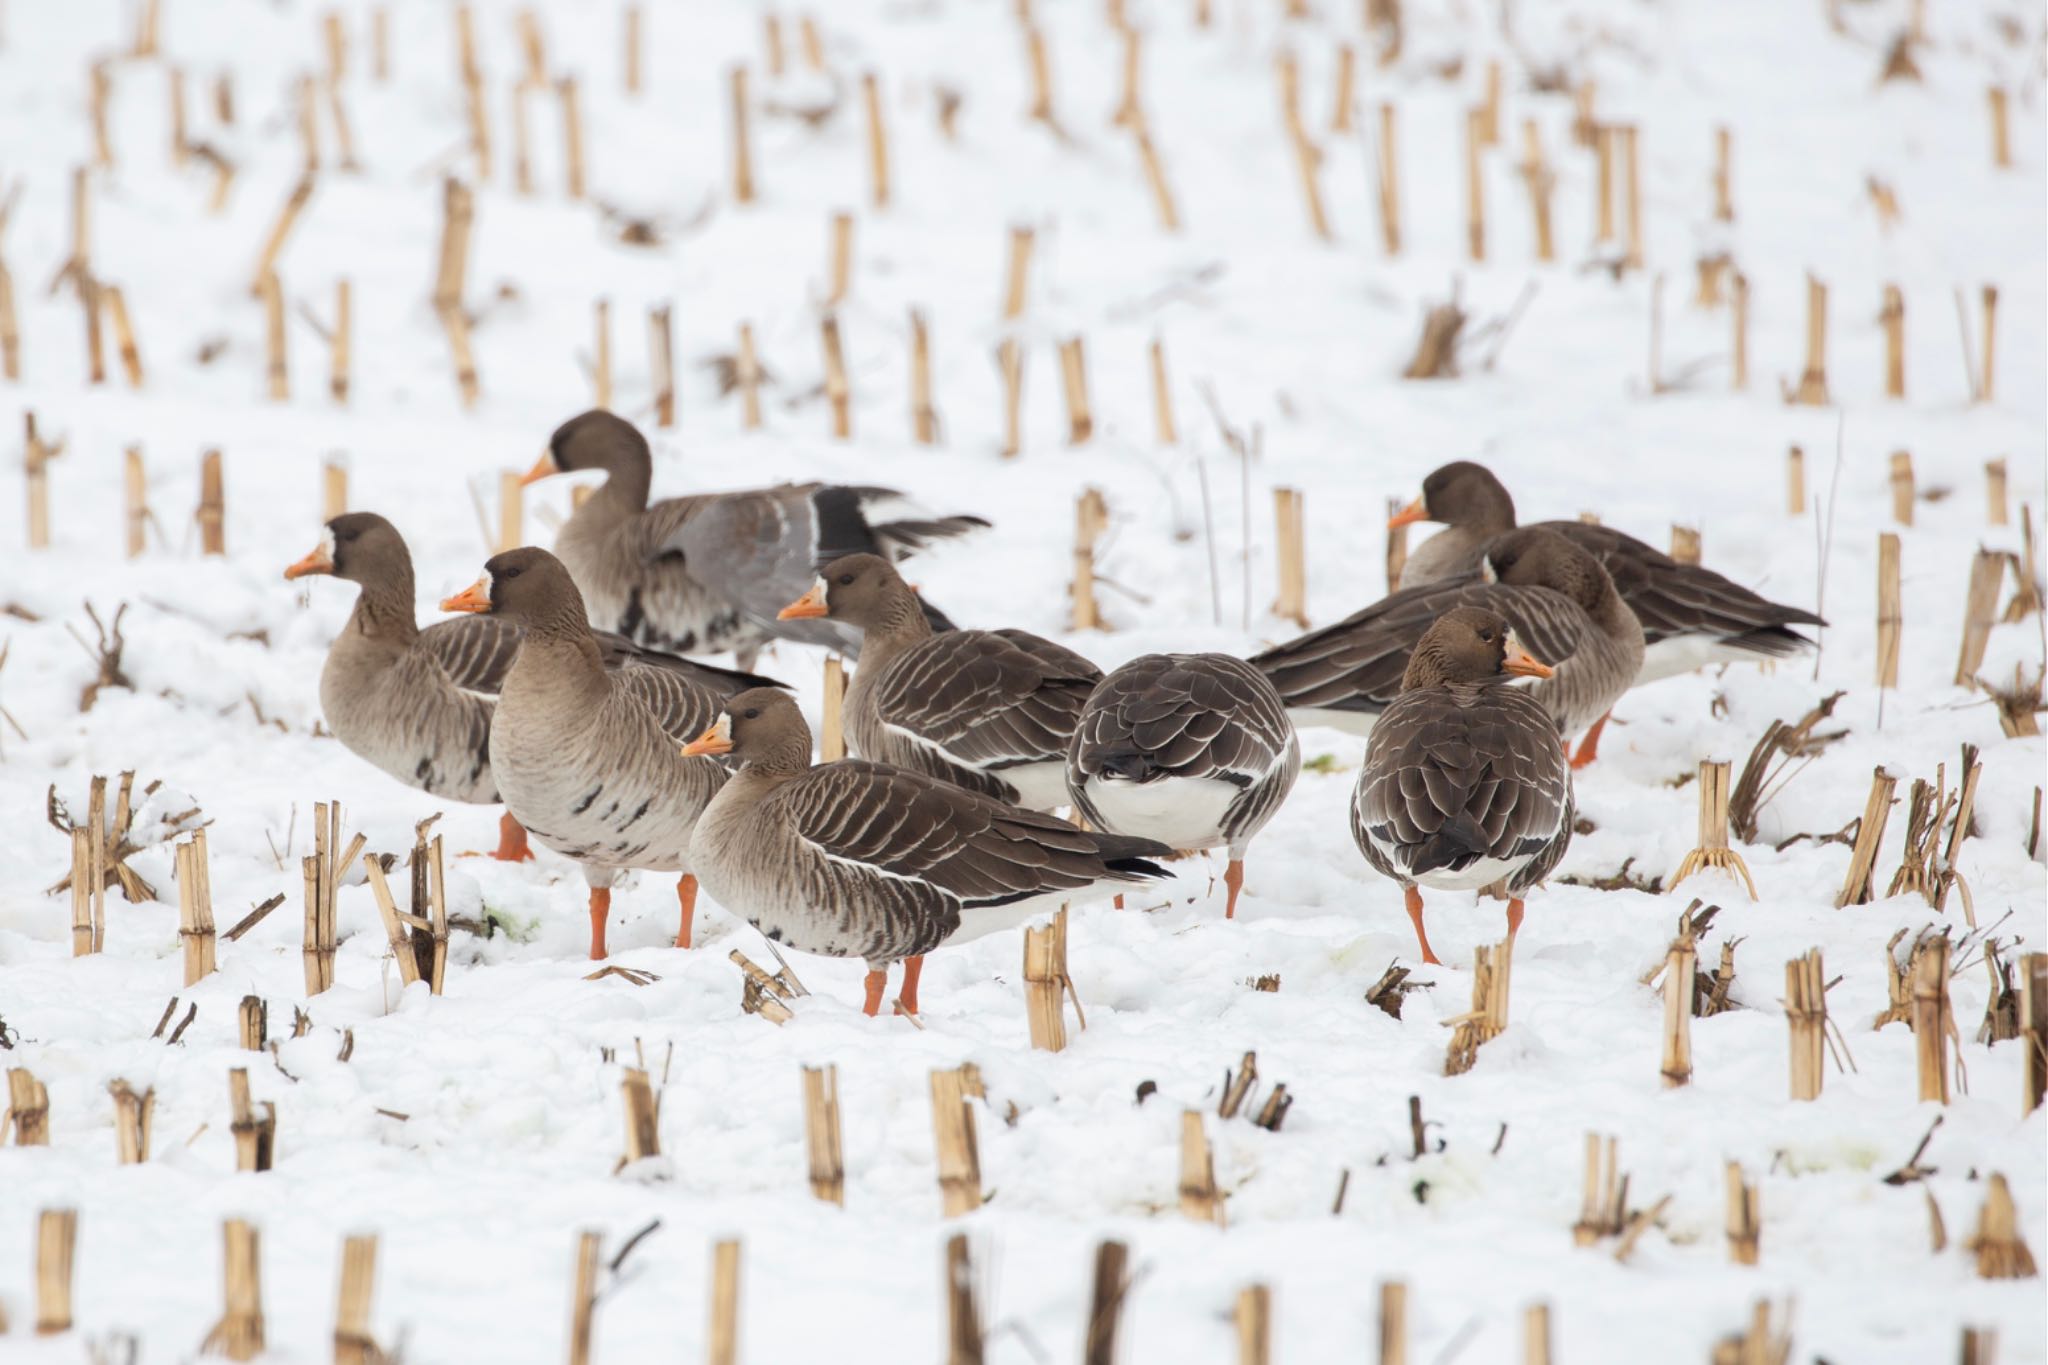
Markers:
752,713
507,573
1487,636
845,579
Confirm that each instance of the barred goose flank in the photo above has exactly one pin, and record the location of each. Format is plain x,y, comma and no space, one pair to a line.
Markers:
1691,615
989,710
860,859
1464,785
705,573
1559,600
417,703
1194,750
584,758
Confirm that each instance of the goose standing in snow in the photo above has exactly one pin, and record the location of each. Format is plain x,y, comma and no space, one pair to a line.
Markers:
1193,750
989,710
1555,595
1691,616
706,573
417,703
860,859
1464,785
586,759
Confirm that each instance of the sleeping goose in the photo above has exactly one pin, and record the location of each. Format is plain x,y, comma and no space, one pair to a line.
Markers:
1691,616
860,859
417,703
1464,786
1557,597
989,710
1193,750
586,758
705,573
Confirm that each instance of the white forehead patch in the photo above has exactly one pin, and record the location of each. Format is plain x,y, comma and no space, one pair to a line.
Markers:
1486,573
327,543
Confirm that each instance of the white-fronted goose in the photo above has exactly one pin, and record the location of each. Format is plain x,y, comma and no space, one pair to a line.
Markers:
1691,616
1464,785
1555,595
989,710
584,758
860,859
1193,750
706,573
417,703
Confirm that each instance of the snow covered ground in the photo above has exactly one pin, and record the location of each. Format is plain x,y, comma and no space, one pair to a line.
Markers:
513,1118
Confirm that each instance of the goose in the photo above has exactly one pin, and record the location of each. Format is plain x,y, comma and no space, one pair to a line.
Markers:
1691,616
704,574
989,710
1555,594
584,757
1193,750
417,703
1464,785
861,859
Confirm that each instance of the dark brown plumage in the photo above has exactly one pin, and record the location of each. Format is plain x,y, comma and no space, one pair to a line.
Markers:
1464,785
989,710
861,859
1690,614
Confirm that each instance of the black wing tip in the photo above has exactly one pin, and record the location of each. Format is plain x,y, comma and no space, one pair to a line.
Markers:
1136,869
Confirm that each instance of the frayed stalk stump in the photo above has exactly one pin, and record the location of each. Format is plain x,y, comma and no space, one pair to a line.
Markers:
661,350
1047,985
56,1250
252,1024
1902,487
742,139
511,511
1387,181
763,994
583,1296
1074,385
255,1133
1713,849
1738,357
722,1334
1397,545
1856,888
1492,965
1995,503
1017,275
838,391
1806,1015
239,1335
280,229
2034,1030
1602,1212
1980,613
1680,964
1199,1197
1745,1217
959,1157
924,418
1254,1320
821,1134
1998,1245
1238,1085
1761,1344
1091,519
1685,544
212,514
1010,363
28,1109
353,1344
746,376
1541,180
132,1115
643,1117
1933,1018
1536,1335
322,874
964,1338
1893,318
831,727
333,487
1393,1323
1812,388
1106,1303
36,457
878,140
1162,397
418,938
195,908
1292,600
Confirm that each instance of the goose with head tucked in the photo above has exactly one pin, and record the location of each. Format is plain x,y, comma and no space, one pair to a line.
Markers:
584,758
1463,785
1194,750
989,710
705,573
417,703
1559,600
860,859
1691,616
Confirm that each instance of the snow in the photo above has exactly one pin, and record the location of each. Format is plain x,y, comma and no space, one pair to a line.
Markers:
514,1120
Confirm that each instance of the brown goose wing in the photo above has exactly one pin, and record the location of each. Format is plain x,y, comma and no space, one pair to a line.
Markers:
989,698
1672,599
474,651
971,848
1456,775
1356,664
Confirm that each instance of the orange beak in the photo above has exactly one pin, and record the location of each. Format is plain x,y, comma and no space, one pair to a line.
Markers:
1523,664
807,607
542,468
1409,515
316,561
714,741
474,598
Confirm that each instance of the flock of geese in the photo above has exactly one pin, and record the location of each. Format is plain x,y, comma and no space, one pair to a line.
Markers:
563,690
